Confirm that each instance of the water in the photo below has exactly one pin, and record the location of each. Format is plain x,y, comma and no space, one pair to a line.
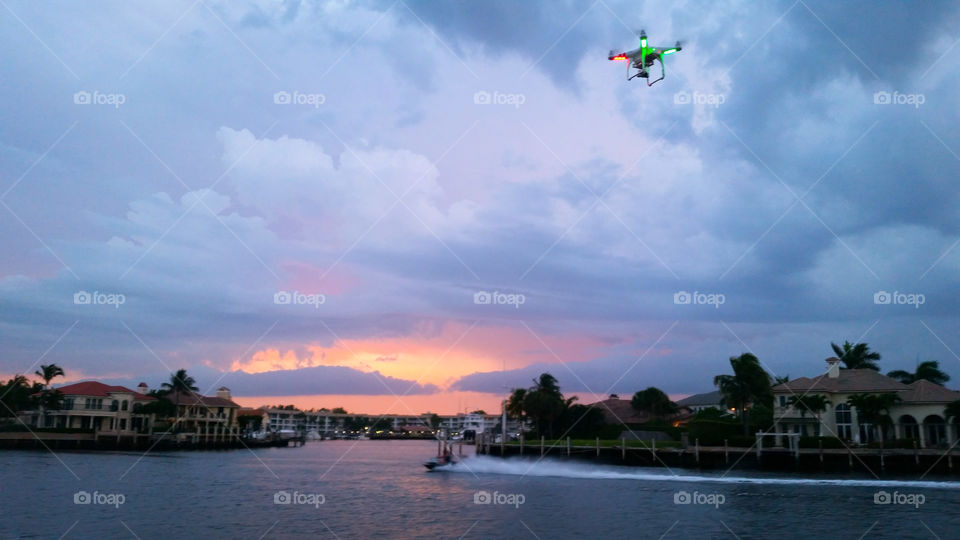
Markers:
379,489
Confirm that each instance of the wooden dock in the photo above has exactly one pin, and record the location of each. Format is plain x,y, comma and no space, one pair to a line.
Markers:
873,461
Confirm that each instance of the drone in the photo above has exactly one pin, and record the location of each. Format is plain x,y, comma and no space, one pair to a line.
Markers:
643,57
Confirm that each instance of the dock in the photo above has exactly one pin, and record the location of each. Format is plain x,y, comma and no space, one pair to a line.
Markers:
873,461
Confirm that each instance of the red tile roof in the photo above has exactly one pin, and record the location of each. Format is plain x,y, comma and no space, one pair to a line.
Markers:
192,398
868,380
98,389
924,391
850,380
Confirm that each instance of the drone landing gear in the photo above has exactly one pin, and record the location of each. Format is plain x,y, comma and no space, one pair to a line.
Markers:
663,73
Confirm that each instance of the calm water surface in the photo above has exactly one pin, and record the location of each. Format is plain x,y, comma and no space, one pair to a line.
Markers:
379,489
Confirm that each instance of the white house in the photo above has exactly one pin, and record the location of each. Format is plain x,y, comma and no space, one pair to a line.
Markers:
918,415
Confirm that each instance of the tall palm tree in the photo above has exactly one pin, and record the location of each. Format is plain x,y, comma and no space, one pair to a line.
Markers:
929,370
654,402
749,384
857,356
515,403
813,404
874,409
544,402
179,383
48,373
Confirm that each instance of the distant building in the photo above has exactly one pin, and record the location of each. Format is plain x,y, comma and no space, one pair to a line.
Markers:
699,402
621,411
105,409
919,415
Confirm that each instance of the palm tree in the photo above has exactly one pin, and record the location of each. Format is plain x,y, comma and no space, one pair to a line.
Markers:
952,410
544,402
929,370
179,382
813,404
654,402
749,384
874,409
48,373
781,380
515,403
857,356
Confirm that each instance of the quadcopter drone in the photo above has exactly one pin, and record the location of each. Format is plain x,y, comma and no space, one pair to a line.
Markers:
642,58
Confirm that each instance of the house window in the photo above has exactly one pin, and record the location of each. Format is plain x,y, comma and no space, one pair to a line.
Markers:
123,405
844,422
123,422
783,401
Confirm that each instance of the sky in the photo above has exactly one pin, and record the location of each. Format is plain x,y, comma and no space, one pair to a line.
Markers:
409,206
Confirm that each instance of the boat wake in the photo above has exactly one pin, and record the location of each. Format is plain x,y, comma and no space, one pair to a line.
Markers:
546,467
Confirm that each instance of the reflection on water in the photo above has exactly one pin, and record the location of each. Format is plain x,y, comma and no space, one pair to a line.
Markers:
364,489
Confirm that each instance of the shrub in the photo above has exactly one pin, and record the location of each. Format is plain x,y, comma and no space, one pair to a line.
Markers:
713,432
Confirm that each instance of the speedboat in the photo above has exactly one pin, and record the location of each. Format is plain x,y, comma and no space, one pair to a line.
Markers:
438,462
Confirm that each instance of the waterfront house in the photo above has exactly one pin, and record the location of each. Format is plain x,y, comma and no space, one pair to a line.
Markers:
90,405
618,411
919,415
210,417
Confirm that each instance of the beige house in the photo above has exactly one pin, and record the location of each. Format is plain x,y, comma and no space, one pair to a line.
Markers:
105,409
919,415
209,417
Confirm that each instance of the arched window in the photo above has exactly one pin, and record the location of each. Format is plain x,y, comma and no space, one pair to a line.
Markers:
844,421
123,405
936,430
909,427
115,405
